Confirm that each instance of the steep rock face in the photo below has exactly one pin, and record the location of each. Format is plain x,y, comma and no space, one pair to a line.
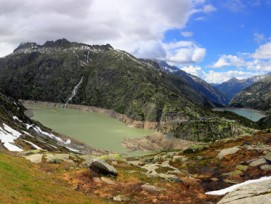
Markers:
198,84
257,96
111,79
233,86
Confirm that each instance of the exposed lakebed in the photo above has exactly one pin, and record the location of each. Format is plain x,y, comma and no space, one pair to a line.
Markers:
251,114
94,129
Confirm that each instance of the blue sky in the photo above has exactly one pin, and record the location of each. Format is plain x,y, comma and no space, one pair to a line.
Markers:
215,40
232,32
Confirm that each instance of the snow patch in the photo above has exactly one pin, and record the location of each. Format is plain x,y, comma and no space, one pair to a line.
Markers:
71,149
232,188
68,141
33,145
16,118
7,136
38,130
28,126
27,134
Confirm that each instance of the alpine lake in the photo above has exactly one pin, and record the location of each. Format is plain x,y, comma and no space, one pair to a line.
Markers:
94,129
253,115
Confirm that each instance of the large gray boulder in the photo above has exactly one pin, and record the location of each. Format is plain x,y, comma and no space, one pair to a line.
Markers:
100,166
228,151
255,193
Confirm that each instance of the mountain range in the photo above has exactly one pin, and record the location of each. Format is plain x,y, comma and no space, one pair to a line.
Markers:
256,96
101,76
233,86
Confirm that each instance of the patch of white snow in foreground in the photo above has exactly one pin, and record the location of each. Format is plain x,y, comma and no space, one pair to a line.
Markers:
7,137
33,145
232,188
16,118
71,149
38,130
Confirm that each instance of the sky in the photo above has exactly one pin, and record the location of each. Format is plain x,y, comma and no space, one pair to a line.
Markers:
215,40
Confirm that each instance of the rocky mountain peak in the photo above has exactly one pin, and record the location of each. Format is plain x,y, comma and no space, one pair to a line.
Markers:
58,43
26,45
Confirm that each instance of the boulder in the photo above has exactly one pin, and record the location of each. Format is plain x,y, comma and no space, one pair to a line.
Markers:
259,193
35,158
121,198
266,167
258,162
268,157
228,151
100,166
108,181
150,188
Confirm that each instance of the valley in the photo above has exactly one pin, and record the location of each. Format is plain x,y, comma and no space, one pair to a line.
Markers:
120,129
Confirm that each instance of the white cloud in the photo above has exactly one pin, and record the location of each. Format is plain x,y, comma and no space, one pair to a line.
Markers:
263,52
187,34
125,25
194,70
216,76
260,60
219,77
184,52
229,60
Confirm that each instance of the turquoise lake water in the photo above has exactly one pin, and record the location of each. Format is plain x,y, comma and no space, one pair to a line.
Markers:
93,129
251,114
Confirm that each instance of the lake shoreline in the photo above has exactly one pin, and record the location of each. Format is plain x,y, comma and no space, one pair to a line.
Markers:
261,113
157,141
107,112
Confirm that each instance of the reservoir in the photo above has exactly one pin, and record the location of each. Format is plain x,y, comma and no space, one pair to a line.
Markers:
94,129
250,114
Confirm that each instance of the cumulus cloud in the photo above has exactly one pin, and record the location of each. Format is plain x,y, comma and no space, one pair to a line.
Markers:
184,52
229,60
260,60
263,52
125,25
194,70
219,77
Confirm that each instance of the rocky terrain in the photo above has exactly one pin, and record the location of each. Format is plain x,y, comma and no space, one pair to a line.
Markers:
189,175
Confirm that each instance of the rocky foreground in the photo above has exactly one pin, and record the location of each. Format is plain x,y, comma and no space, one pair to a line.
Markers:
180,176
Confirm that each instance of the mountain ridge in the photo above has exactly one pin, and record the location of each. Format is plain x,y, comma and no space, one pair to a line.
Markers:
233,86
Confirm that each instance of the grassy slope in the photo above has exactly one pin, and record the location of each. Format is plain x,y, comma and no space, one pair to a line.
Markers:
22,183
